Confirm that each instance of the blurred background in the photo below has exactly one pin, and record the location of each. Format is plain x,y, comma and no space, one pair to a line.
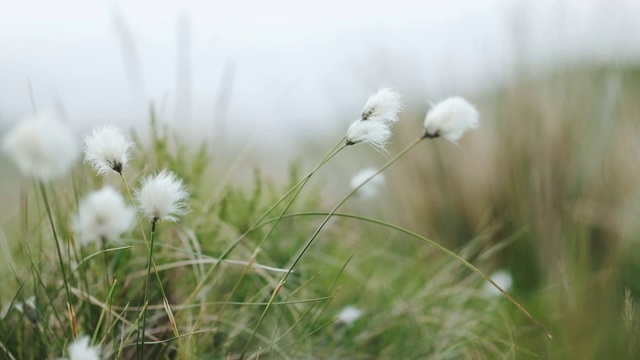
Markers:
552,175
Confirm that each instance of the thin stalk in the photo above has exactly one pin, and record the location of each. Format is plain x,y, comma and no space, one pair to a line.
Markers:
315,234
155,270
102,314
146,289
438,247
83,278
109,280
299,186
333,152
59,250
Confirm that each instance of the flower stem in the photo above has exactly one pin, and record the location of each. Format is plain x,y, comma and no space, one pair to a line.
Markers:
315,234
109,281
144,237
438,247
59,250
333,152
146,288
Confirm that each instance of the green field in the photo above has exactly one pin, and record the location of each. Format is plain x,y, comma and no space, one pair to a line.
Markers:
547,189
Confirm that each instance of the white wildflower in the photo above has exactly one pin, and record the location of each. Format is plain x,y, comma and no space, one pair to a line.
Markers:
450,119
383,106
107,149
502,278
162,196
42,146
369,190
375,133
379,113
80,350
349,315
102,215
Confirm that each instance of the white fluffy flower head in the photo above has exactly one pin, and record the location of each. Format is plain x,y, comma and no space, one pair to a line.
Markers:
349,315
102,215
162,196
383,106
450,119
502,278
106,149
371,132
369,190
80,350
42,146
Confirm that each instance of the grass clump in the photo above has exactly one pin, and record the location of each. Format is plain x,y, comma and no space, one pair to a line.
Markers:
222,271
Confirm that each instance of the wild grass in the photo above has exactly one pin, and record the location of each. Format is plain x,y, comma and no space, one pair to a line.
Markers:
555,168
547,189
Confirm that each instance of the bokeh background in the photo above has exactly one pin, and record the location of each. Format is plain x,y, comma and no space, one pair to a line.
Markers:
552,177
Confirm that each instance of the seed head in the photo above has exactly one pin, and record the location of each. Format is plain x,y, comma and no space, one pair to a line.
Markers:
102,215
349,315
162,196
450,119
383,106
107,149
80,350
375,133
502,278
42,146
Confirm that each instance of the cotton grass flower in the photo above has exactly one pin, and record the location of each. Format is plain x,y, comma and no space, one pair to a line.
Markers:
348,315
370,190
106,149
42,146
373,126
102,215
81,350
502,278
383,106
450,119
377,134
162,197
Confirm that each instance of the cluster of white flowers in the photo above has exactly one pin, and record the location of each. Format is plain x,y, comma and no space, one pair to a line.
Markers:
103,214
450,119
42,146
374,125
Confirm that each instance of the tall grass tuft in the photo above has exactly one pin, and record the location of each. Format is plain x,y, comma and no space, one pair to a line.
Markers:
264,271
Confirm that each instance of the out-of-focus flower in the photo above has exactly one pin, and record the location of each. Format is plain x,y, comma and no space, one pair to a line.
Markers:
348,315
376,134
502,278
102,215
42,146
81,350
162,196
383,106
369,190
107,149
450,119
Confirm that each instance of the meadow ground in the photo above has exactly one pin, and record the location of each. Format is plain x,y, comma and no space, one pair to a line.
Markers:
546,191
